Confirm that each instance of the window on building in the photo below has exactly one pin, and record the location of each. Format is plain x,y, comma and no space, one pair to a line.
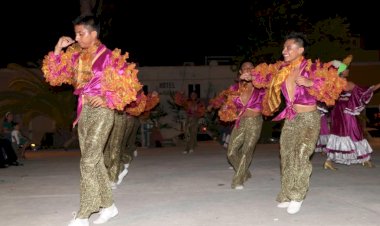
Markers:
194,88
145,89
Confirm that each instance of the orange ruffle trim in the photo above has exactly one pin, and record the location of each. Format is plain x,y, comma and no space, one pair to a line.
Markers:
179,99
121,81
263,73
330,86
59,69
228,112
137,108
151,102
326,88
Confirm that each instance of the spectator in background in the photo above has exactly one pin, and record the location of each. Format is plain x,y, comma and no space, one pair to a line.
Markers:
7,126
19,141
3,163
6,149
8,153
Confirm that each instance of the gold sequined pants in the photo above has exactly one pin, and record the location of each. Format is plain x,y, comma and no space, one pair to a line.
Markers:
114,146
242,145
191,132
129,140
298,140
94,127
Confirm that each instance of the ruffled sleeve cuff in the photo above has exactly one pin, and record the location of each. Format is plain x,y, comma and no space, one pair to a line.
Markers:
228,112
263,73
179,99
137,108
151,102
57,69
217,101
327,85
360,97
120,84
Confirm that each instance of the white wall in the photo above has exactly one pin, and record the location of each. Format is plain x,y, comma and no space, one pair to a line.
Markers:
212,80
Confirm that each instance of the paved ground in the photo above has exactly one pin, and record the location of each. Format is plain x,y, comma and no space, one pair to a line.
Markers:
167,188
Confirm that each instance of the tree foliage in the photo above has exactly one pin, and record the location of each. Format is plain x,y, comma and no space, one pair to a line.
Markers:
30,96
329,38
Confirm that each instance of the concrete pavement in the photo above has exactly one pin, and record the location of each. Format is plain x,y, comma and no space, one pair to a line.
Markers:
167,188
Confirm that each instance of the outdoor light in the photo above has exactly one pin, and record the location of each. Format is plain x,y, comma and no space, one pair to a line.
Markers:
33,147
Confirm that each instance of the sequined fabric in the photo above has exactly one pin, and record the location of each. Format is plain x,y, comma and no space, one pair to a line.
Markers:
191,130
114,146
129,140
242,146
298,140
94,127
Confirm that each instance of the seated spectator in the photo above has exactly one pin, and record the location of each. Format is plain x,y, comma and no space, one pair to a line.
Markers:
19,141
9,156
3,163
7,125
8,153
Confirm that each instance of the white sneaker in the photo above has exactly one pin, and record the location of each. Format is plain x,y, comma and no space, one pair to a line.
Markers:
294,207
191,151
283,205
239,187
78,221
121,176
230,167
126,166
135,153
106,214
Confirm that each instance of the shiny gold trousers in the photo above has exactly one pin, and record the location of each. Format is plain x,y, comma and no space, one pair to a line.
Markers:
191,132
129,140
298,140
114,146
242,145
94,128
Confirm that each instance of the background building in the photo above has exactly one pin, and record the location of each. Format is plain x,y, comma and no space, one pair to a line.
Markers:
207,80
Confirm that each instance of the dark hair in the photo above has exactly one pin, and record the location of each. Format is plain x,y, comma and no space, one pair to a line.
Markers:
298,38
91,22
245,62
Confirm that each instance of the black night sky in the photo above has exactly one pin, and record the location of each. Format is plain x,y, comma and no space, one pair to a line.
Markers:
157,32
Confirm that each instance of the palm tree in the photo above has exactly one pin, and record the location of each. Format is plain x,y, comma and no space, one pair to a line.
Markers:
30,96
